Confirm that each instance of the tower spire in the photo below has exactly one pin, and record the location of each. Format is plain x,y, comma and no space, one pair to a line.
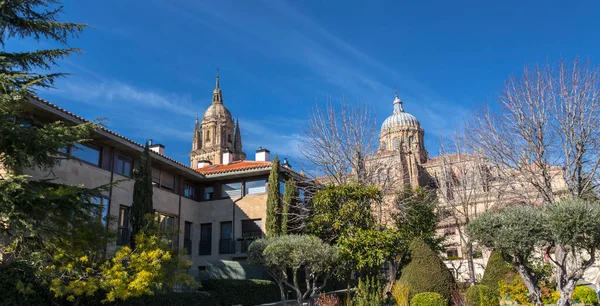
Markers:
217,95
237,138
398,104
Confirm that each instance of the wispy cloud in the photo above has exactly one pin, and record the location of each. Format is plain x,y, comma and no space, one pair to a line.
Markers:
108,94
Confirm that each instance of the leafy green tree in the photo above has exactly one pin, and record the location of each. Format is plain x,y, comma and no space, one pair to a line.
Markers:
296,253
515,232
426,272
142,194
496,270
290,196
273,225
366,250
367,293
416,216
341,209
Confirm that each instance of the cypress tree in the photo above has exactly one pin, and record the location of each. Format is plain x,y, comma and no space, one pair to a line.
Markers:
142,193
290,194
274,201
426,272
496,270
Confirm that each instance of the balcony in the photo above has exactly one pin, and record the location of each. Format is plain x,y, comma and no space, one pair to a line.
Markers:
226,246
205,247
243,243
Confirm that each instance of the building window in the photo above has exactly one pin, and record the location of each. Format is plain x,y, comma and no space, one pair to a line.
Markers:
166,222
450,231
123,229
410,140
167,180
258,186
124,166
452,254
207,136
226,241
251,228
395,143
209,193
189,191
103,204
229,138
231,190
155,177
205,245
86,152
187,237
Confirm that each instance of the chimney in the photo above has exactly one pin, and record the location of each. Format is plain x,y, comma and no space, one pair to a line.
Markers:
227,157
157,148
262,155
204,163
286,163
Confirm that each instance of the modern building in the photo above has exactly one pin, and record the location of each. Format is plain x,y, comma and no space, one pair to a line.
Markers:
216,206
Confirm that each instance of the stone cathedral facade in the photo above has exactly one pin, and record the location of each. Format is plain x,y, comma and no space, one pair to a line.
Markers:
216,134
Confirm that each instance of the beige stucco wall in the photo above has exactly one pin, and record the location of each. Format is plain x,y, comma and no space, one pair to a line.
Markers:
249,207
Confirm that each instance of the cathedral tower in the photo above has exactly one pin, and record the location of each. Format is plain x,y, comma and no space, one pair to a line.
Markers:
216,134
402,134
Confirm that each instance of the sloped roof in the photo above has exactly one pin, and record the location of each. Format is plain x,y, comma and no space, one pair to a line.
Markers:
104,129
236,166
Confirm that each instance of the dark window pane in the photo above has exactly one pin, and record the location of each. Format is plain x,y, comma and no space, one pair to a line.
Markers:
251,228
226,241
209,193
123,229
87,152
205,245
187,237
189,191
123,166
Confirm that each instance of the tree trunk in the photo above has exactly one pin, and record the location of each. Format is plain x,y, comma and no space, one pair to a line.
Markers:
531,283
470,264
299,298
566,289
282,292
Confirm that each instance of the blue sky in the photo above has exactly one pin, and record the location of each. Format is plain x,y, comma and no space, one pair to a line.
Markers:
149,66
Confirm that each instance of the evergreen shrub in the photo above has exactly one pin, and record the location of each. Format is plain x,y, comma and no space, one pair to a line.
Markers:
426,272
428,299
495,270
480,295
242,291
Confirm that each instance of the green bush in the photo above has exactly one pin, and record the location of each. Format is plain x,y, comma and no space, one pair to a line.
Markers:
20,286
428,299
242,291
480,295
171,299
426,272
585,295
367,293
495,270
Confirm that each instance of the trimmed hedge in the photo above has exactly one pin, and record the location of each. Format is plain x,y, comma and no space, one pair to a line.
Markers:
428,299
426,272
242,291
480,295
585,295
496,270
171,299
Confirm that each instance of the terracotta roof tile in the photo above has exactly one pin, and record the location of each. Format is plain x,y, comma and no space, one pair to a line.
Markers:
235,166
66,112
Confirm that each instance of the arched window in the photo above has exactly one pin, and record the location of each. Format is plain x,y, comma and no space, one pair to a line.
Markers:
207,136
395,143
410,140
229,138
382,145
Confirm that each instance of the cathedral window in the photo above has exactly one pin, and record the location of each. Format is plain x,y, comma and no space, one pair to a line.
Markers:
410,140
207,136
229,138
383,145
396,143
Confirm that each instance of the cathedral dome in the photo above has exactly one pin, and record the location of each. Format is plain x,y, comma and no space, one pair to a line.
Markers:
400,118
215,111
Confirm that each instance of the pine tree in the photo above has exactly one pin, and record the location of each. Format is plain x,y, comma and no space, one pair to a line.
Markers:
39,209
274,201
290,194
142,193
